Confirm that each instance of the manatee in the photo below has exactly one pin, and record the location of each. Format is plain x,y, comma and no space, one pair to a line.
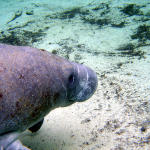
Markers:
33,82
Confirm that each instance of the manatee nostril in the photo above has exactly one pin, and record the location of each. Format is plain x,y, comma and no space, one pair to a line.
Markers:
71,78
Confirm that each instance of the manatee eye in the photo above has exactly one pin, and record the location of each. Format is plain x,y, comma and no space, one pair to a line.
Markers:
71,79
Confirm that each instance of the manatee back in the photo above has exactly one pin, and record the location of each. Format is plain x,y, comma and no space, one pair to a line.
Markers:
27,86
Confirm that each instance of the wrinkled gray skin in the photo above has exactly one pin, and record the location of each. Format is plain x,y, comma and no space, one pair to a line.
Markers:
32,83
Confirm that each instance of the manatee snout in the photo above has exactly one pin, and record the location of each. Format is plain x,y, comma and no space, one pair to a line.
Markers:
84,83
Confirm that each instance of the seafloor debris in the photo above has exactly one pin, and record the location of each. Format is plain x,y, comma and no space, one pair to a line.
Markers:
130,50
22,37
15,16
30,12
131,9
142,33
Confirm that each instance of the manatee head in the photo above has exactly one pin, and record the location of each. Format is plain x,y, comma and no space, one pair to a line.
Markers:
79,83
82,83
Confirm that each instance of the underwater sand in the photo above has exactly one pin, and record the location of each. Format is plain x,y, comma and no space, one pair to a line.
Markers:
113,38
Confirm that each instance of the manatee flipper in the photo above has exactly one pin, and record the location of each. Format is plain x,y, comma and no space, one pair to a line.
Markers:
17,145
37,126
7,139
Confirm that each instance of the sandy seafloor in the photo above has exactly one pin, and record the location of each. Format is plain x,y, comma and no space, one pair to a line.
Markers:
113,38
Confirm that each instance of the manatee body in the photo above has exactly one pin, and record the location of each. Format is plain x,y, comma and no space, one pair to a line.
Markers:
32,83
